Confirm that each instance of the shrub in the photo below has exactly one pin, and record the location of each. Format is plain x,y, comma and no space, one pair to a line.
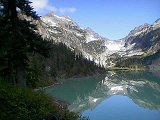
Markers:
24,104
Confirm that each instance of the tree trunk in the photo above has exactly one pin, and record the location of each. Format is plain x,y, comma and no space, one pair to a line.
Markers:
12,11
21,77
20,70
12,15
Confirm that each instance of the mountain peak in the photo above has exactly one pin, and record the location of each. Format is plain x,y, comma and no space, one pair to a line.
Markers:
139,29
51,14
92,45
158,20
67,17
88,29
156,24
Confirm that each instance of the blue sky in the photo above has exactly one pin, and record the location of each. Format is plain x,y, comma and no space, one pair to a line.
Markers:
112,19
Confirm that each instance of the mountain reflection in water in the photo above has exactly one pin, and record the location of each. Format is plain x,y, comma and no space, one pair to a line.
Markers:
143,88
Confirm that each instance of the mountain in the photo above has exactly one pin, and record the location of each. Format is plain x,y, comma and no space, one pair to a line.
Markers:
144,45
145,37
65,30
142,41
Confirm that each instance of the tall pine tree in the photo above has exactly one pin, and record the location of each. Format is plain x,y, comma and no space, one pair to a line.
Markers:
17,39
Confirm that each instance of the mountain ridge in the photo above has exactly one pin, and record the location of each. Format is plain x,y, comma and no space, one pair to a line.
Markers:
142,40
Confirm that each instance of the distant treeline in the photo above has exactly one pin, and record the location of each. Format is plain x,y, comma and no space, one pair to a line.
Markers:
137,62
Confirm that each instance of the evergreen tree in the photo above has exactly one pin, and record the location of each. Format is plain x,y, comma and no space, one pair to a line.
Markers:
18,38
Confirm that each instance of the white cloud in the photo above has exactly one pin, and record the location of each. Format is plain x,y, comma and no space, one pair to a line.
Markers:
39,4
43,6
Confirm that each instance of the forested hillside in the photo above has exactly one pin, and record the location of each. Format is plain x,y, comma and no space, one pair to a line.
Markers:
138,62
61,63
28,60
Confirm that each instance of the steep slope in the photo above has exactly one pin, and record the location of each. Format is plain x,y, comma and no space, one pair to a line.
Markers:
145,37
63,29
142,41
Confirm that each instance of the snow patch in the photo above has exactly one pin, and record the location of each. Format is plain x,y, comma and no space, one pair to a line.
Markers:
114,46
90,38
132,53
79,34
62,18
53,31
117,88
49,21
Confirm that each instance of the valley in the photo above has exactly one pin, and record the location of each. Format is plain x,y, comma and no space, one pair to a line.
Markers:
141,42
51,68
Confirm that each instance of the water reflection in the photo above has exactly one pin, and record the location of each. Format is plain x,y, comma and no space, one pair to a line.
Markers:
86,93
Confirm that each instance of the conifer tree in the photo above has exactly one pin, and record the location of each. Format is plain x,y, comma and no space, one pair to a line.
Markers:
18,38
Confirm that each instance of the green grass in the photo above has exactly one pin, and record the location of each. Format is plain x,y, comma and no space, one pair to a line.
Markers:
18,103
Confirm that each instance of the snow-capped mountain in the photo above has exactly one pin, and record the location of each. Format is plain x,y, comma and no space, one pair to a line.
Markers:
92,35
64,29
142,41
143,36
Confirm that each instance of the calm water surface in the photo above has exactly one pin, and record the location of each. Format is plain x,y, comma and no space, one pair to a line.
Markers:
113,96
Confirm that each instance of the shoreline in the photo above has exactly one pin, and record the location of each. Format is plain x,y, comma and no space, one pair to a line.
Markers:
126,69
84,76
60,79
60,103
42,88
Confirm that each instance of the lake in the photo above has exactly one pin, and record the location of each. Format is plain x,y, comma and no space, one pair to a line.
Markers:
121,95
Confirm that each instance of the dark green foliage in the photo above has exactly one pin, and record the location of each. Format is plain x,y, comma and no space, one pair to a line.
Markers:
151,58
20,49
66,61
17,39
25,104
62,63
22,56
137,62
132,63
34,70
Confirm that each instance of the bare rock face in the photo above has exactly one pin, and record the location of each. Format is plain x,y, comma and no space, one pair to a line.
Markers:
142,41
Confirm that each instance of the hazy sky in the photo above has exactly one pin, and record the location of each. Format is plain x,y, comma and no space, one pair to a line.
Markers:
112,19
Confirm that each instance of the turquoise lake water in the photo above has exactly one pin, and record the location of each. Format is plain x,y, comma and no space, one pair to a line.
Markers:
114,96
